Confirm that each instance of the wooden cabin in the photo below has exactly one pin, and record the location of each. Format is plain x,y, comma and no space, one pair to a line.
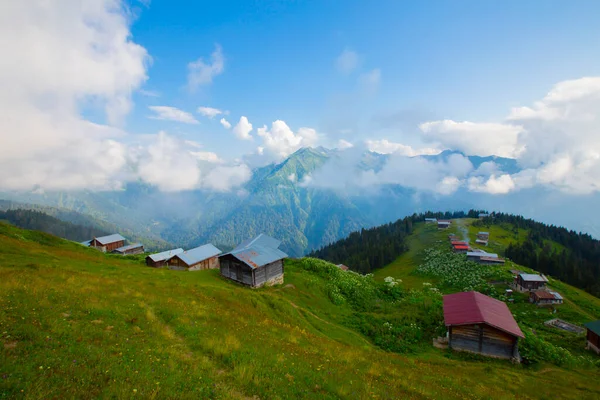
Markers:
545,298
130,249
107,243
478,255
342,267
460,249
491,260
255,262
443,224
483,236
430,220
530,282
481,242
593,336
161,259
480,324
199,258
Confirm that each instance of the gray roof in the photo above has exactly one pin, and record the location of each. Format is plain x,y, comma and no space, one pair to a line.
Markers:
533,278
165,255
260,240
483,233
261,250
198,254
443,223
110,238
481,254
557,295
123,249
86,243
430,219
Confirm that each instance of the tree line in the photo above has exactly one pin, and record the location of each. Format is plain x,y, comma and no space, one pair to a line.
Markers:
369,249
36,220
570,256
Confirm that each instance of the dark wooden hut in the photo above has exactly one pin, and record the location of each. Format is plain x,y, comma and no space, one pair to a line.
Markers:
130,249
480,324
199,258
161,259
593,336
530,282
545,298
255,263
107,243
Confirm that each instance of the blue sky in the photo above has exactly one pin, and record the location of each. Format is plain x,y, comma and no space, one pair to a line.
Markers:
99,93
461,60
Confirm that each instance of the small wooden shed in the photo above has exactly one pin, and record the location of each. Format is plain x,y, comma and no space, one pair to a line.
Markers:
483,236
443,224
593,336
130,249
161,259
199,258
255,262
343,267
530,282
545,298
480,324
107,243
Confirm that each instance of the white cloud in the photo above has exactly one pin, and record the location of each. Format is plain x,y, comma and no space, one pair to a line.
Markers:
209,112
493,185
242,129
207,156
54,59
149,93
370,81
225,123
167,113
202,73
482,139
224,178
280,141
167,164
292,177
384,146
344,144
347,61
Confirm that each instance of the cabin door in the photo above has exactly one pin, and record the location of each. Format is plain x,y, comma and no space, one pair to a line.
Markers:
239,273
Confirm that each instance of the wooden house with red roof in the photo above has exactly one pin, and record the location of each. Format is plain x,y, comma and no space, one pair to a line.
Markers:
480,324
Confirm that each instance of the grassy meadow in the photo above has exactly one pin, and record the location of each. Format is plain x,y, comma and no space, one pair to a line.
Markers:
75,323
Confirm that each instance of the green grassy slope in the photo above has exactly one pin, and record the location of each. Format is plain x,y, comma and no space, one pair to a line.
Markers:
75,323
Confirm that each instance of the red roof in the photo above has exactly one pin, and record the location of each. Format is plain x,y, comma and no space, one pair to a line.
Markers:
460,247
475,308
453,242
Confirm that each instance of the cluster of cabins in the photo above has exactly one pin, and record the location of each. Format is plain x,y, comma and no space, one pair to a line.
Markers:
114,243
255,262
441,223
477,255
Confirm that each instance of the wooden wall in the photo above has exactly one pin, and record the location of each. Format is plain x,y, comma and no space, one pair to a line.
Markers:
209,263
593,338
234,269
108,247
483,339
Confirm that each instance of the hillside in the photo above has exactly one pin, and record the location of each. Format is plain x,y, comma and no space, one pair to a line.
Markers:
78,323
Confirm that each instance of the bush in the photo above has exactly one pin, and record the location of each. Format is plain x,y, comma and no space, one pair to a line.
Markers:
534,349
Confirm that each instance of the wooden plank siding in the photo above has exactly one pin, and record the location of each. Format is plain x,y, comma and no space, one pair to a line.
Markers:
483,339
108,247
236,270
209,263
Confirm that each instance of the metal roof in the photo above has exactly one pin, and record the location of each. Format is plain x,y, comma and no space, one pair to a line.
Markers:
542,294
461,247
557,295
110,238
443,222
483,233
165,255
123,249
475,308
86,243
256,255
481,254
593,326
261,240
194,256
533,278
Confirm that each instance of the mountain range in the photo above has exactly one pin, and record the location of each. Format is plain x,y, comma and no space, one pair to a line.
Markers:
278,200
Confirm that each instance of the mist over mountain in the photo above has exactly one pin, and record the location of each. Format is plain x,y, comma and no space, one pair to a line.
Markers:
314,197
